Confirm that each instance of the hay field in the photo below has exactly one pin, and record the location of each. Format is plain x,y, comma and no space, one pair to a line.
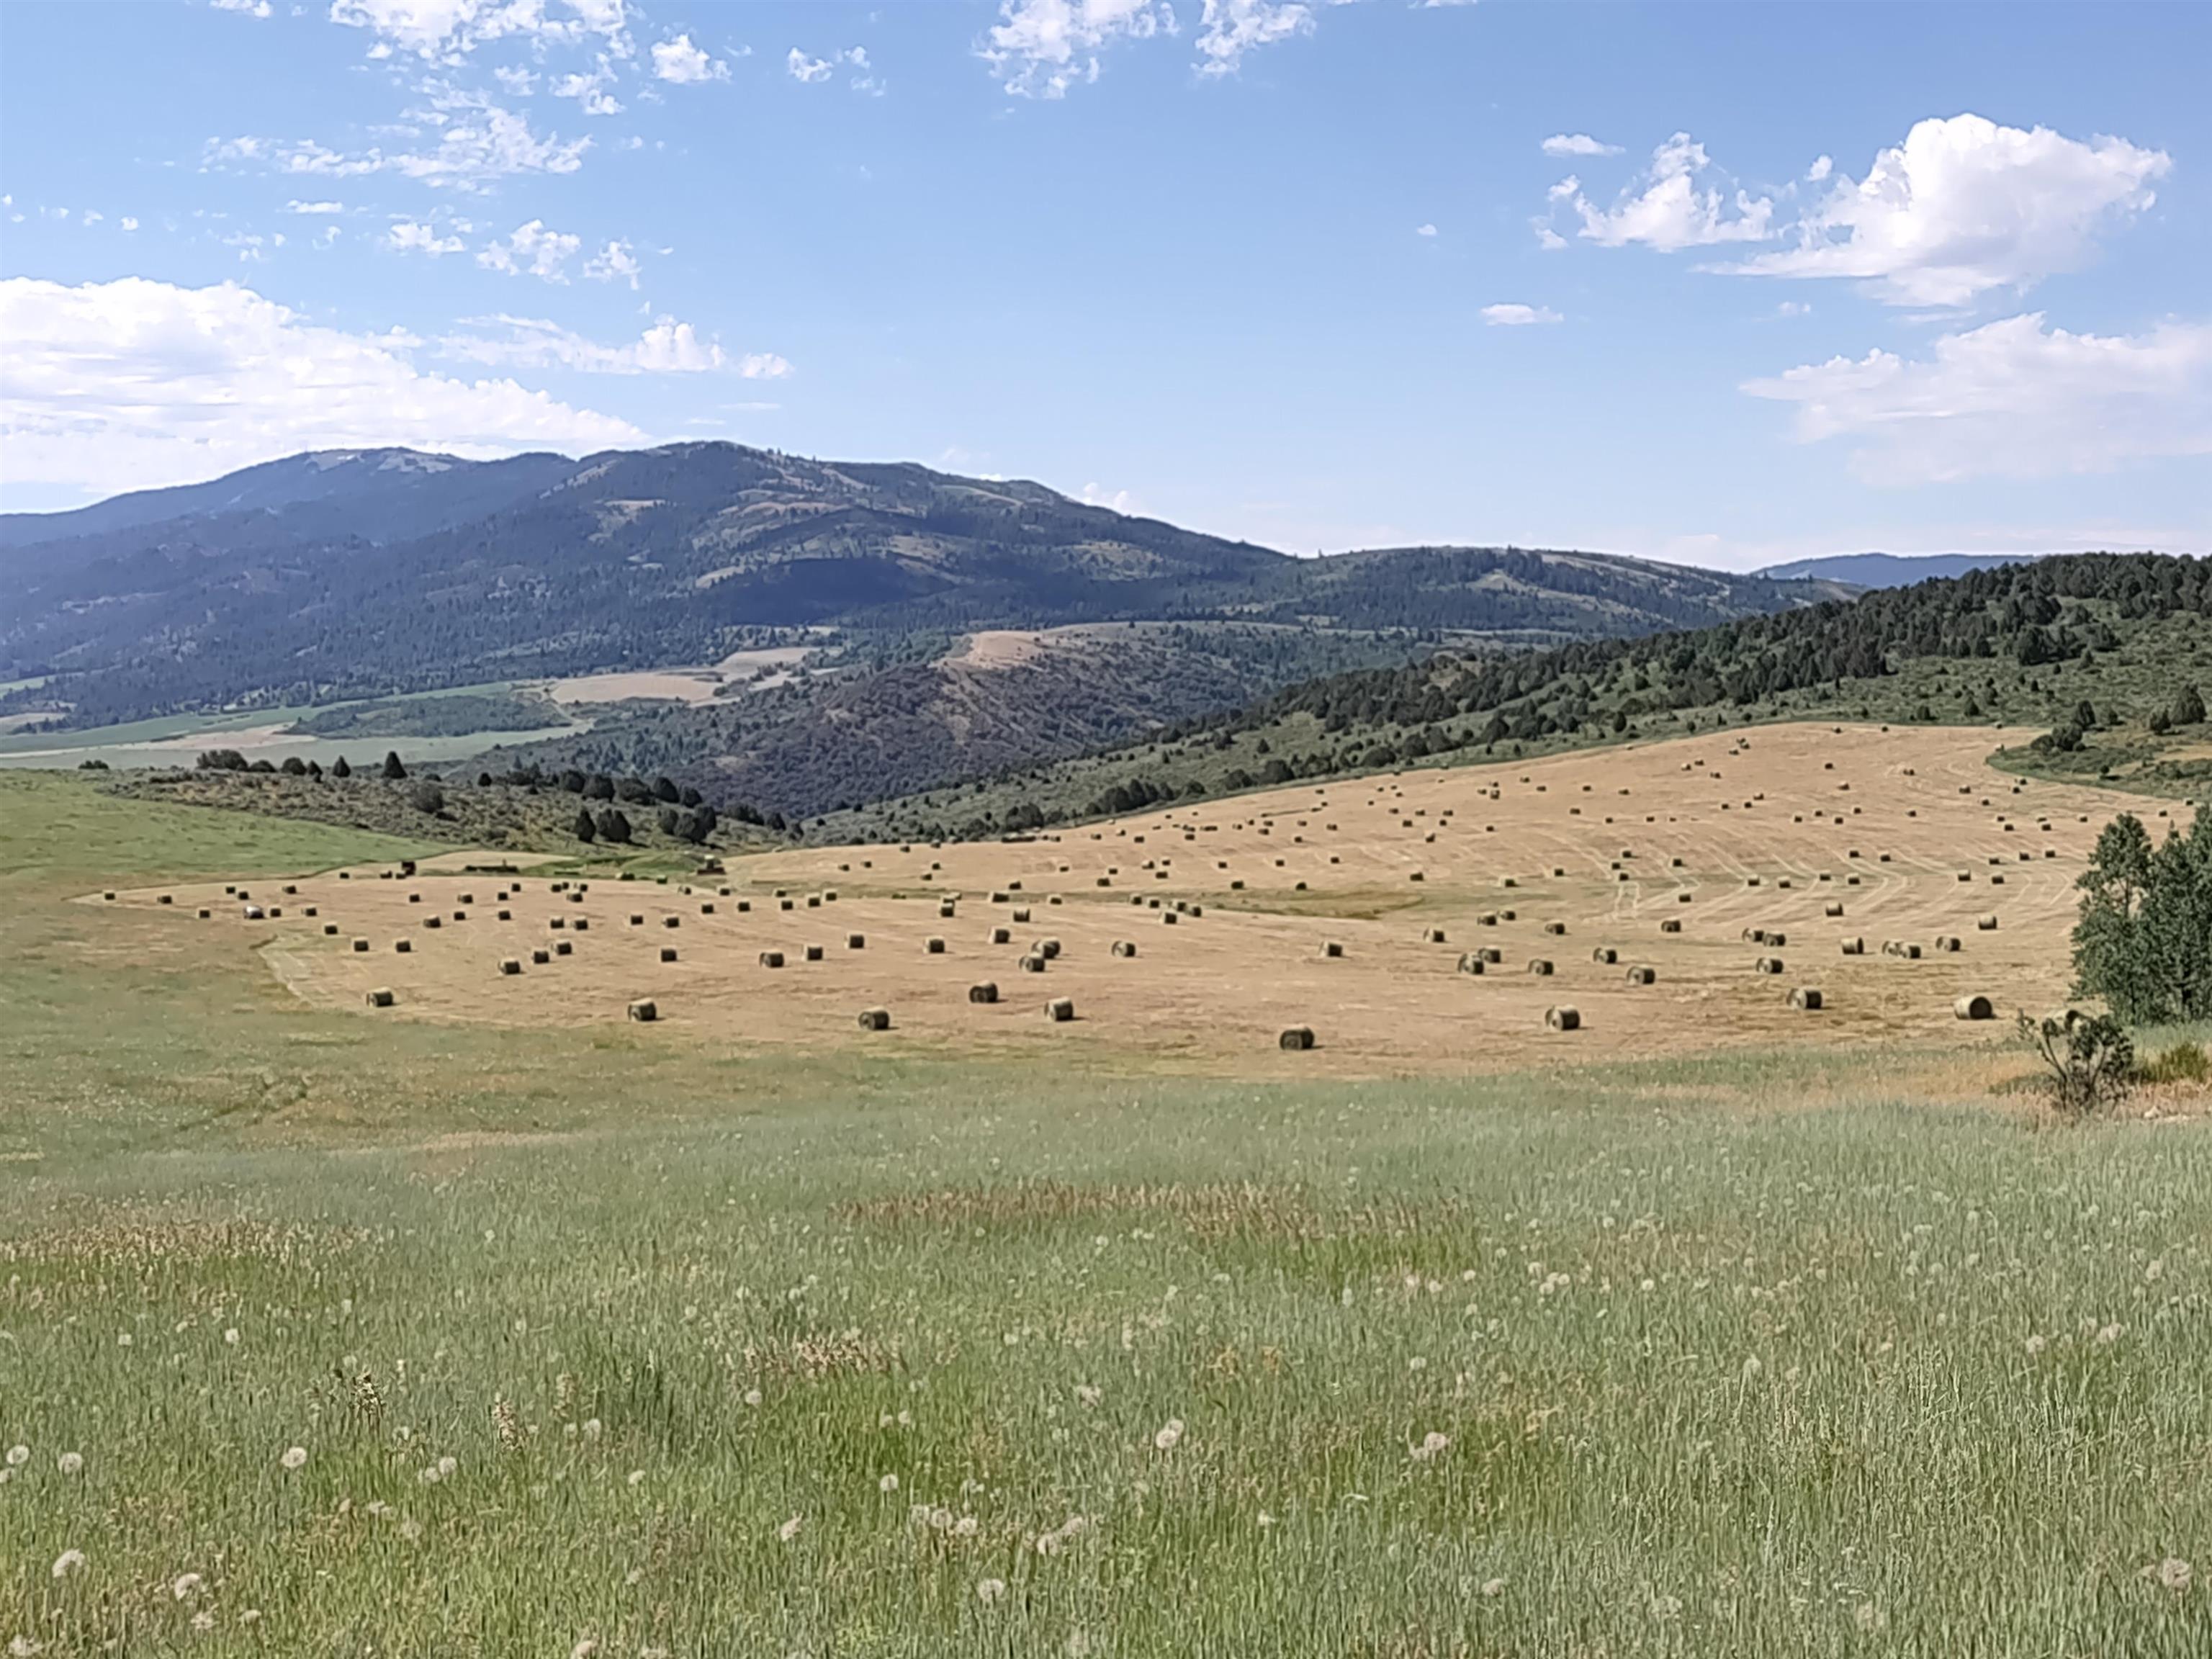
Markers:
329,1333
1231,907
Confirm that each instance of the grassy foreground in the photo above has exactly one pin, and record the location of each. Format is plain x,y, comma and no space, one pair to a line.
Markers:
584,1338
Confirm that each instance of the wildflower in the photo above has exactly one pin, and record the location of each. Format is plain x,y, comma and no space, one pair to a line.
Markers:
446,1467
752,1396
887,1484
789,1529
2036,1345
1493,1587
1169,1434
1431,1444
18,1456
187,1585
965,1527
2174,1574
1867,1617
203,1622
70,1463
1666,1608
2155,1272
1752,1368
990,1590
230,1336
584,1649
294,1457
251,1616
1266,1519
123,1340
1087,1394
67,1562
637,1477
593,1428
21,1647
2111,1333
505,1424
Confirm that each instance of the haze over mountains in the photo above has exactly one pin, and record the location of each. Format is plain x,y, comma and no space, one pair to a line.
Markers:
1889,569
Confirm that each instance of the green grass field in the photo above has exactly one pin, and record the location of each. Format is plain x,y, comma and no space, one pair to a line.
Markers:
589,1337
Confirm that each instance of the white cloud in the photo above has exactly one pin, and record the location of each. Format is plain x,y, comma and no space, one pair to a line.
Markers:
686,64
128,222
408,237
314,207
1578,144
590,91
1547,238
814,71
1117,500
2013,398
668,346
1964,206
808,69
1792,308
1040,48
1519,316
1425,230
446,30
478,143
1821,168
134,384
615,262
1669,212
249,8
533,251
515,80
1229,28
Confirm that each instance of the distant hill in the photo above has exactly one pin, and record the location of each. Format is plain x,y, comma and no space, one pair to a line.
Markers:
1889,569
346,574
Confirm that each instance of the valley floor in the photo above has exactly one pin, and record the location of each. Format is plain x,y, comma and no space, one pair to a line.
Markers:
520,1328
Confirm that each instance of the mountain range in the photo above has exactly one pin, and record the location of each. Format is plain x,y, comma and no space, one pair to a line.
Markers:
341,576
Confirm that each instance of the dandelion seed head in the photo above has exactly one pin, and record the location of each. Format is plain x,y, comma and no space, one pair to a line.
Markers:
69,1562
990,1590
294,1457
2036,1344
2175,1574
1170,1435
1493,1587
18,1456
230,1336
637,1477
1431,1444
203,1622
887,1484
186,1586
789,1529
70,1463
593,1428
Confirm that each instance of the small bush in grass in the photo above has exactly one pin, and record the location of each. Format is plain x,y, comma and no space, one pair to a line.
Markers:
2184,1062
2089,1058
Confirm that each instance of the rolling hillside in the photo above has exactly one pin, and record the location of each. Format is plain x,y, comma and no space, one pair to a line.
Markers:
332,576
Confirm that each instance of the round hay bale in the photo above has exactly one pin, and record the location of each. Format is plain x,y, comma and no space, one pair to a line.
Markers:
1540,965
402,946
1049,949
1556,929
1060,1008
946,911
1471,963
252,913
783,904
361,944
507,915
1170,917
510,965
1433,936
856,941
1854,947
1492,954
1767,965
541,957
1986,924
330,930
1022,913
668,953
771,958
310,911
433,921
1563,1018
166,898
1949,942
1296,1038
1001,936
644,1011
582,924
1640,974
1974,1007
1123,947
875,1019
1832,910
986,992
557,923
1331,948
380,997
1805,997
707,908
1774,938
1032,963
1605,954
672,921
205,914
813,953
934,947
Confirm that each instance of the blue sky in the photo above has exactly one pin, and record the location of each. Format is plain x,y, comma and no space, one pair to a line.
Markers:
1725,285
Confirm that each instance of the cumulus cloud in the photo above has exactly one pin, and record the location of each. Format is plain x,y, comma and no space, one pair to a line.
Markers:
248,8
1041,48
686,64
446,30
668,346
477,144
1963,206
314,207
408,237
2014,399
1519,316
1578,144
135,384
531,250
808,69
1667,209
1425,230
590,90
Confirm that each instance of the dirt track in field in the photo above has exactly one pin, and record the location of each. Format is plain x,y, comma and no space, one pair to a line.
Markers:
1909,830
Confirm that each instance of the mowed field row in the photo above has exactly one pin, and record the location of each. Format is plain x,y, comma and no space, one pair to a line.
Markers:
1630,886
